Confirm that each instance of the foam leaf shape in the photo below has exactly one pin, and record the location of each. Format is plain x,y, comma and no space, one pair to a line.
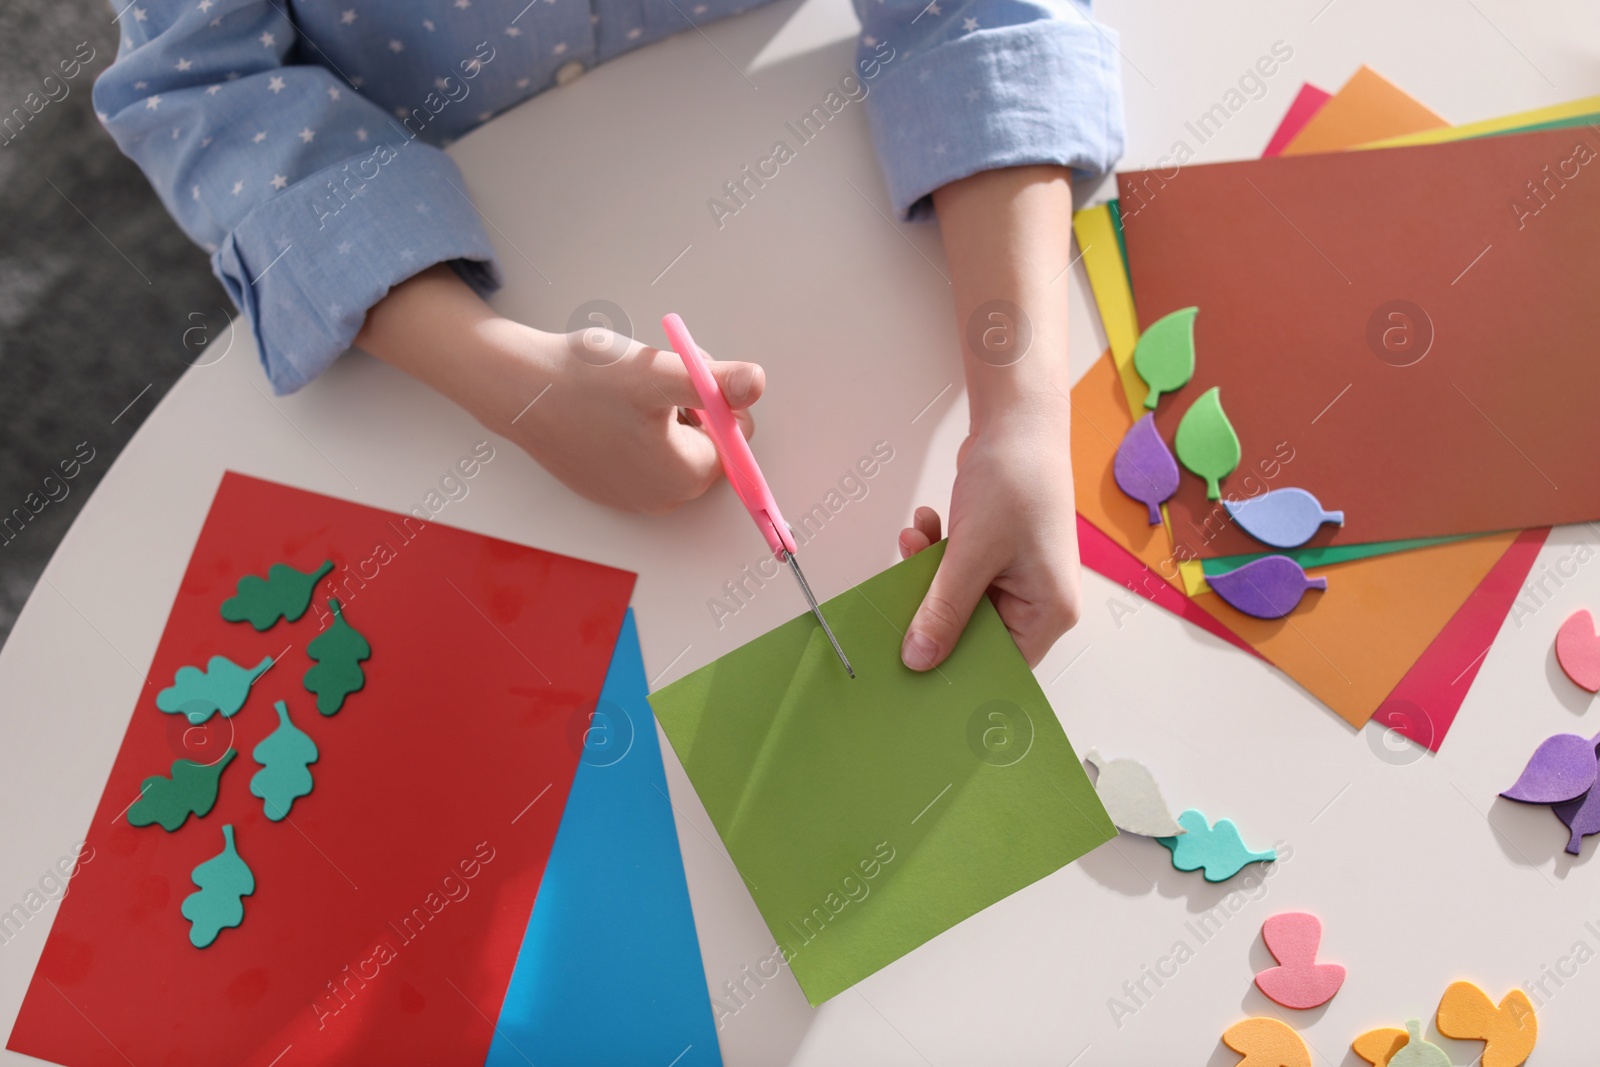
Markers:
1416,1052
1298,981
1581,815
1562,768
1282,518
223,686
1218,849
1578,650
338,651
1378,1046
1164,354
223,881
1268,588
191,789
1131,797
284,593
1265,1042
1508,1032
285,756
1144,468
1206,442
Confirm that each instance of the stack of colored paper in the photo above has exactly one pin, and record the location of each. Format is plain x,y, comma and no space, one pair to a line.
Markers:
1383,332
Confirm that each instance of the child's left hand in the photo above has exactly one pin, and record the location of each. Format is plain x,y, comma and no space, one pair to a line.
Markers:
1013,535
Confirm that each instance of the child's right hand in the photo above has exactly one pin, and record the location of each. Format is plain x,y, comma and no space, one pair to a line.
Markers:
598,410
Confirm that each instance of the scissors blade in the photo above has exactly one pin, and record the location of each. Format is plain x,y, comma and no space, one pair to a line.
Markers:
805,588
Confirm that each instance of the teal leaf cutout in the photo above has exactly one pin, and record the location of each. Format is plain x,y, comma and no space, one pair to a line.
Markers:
284,593
1219,849
223,881
222,686
285,756
1164,354
192,788
338,651
1206,443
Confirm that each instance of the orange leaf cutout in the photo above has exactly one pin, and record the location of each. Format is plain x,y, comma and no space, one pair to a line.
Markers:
1508,1032
1266,1042
1376,1046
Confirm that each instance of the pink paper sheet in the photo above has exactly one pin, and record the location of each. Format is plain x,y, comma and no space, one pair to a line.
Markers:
1306,104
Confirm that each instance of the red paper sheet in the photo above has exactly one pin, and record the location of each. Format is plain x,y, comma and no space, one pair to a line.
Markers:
1306,104
456,757
1371,305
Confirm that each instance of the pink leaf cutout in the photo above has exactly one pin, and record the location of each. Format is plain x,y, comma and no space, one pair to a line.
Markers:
1578,650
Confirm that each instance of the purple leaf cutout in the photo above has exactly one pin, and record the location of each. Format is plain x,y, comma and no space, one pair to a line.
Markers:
1562,768
1282,518
1144,467
1582,816
1268,588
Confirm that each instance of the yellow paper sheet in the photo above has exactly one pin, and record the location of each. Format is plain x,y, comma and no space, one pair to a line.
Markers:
1589,105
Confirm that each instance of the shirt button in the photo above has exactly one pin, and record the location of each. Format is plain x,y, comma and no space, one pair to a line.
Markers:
570,72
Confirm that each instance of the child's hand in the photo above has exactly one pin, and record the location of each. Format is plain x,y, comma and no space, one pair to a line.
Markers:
596,409
1013,534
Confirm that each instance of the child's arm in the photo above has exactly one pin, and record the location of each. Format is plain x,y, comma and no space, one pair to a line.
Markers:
596,409
1013,526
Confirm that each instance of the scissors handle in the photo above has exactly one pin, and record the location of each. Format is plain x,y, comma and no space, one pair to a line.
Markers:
737,459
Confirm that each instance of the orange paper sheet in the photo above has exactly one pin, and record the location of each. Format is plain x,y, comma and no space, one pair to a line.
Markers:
1348,647
1368,108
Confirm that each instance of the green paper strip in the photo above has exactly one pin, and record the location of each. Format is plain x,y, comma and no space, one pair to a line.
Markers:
869,816
1323,555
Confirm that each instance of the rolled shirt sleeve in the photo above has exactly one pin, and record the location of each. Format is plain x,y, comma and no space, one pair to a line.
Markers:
311,200
974,85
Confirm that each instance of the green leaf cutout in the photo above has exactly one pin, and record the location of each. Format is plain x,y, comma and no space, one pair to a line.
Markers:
338,651
285,756
224,880
1164,355
1206,443
284,593
192,788
222,686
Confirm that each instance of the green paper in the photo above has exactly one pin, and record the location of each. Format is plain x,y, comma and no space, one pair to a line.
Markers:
223,880
338,651
1164,354
1323,555
1417,1052
223,686
1206,443
869,816
284,593
1219,849
285,756
192,788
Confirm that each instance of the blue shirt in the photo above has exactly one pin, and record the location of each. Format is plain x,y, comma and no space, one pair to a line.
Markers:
256,129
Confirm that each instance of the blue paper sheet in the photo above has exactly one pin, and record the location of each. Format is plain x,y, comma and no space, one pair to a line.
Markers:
609,971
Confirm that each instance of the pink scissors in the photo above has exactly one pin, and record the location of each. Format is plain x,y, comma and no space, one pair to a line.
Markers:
740,464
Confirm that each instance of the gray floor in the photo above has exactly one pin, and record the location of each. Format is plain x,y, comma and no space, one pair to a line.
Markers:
97,288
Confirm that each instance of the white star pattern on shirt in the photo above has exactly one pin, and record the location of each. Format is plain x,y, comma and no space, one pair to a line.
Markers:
102,116
361,134
347,16
174,133
306,135
700,9
184,64
275,83
938,149
558,49
278,181
153,102
397,46
463,4
522,83
194,194
441,84
512,31
406,253
422,209
973,96
427,24
204,141
633,34
333,92
204,5
357,81
933,8
215,23
485,116
267,40
127,42
141,85
969,24
238,187
473,66
261,135
213,90
140,14
344,248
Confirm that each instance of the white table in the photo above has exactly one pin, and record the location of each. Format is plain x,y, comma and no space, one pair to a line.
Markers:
1419,873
